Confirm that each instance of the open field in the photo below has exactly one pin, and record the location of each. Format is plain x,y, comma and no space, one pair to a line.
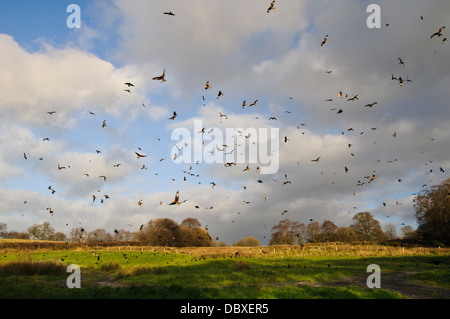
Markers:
323,271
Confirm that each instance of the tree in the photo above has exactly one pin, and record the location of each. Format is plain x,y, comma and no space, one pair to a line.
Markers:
59,236
247,242
3,230
390,232
433,213
77,235
99,235
367,227
345,234
287,232
313,232
409,233
42,231
327,231
167,232
192,223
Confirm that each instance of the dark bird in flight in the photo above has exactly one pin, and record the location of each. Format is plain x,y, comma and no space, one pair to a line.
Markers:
438,33
129,84
316,160
272,6
173,116
140,155
104,124
325,40
161,78
207,85
254,103
51,113
170,13
401,61
50,188
219,94
371,104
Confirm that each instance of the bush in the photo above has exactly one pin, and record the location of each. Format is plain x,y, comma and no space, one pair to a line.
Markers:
247,242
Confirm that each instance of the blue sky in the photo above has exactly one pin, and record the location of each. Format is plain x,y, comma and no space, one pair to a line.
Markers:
250,55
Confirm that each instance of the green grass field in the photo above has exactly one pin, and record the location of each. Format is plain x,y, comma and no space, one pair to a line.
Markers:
215,273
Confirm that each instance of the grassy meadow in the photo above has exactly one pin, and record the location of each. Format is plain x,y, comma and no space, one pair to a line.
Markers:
273,272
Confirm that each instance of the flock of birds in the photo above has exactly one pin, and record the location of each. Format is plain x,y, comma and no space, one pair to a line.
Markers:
364,180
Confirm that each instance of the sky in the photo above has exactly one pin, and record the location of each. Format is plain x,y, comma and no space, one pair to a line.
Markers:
275,58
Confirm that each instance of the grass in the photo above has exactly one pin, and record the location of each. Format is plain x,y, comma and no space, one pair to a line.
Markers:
204,273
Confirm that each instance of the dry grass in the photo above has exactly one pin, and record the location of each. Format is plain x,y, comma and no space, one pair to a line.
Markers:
27,268
241,266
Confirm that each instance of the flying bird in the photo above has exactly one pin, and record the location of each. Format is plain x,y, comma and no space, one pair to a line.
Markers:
129,84
254,103
207,85
104,124
50,188
316,160
173,116
170,13
325,40
161,78
438,33
371,104
272,6
401,61
140,155
176,200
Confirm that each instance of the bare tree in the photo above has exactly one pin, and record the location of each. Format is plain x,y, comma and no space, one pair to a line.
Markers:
390,232
286,232
313,232
42,231
3,230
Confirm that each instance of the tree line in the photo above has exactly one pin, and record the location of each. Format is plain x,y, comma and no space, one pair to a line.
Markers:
432,211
